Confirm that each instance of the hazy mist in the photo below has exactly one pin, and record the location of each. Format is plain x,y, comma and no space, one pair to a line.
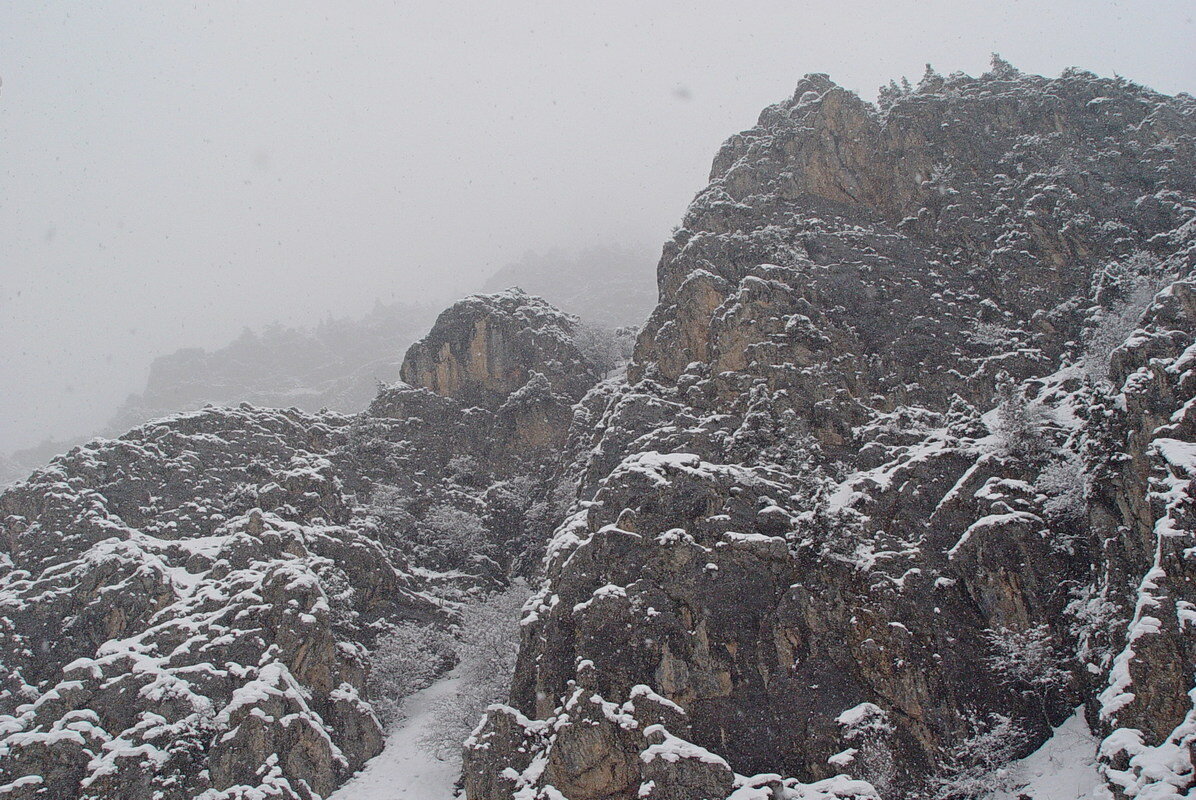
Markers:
173,172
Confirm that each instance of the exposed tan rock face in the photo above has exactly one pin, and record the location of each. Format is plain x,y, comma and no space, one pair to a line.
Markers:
888,238
794,517
485,347
497,378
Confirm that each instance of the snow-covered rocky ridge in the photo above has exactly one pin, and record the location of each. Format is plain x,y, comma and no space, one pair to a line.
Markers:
187,609
901,473
899,477
336,364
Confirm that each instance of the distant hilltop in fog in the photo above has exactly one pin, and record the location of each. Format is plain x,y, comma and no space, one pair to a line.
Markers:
338,363
608,286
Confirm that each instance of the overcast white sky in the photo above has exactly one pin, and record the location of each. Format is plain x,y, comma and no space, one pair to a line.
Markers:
174,171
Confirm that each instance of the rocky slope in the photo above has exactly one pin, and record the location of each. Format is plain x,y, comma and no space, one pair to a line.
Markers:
187,608
902,470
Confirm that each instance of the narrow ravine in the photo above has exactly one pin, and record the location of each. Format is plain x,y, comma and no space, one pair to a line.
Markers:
403,770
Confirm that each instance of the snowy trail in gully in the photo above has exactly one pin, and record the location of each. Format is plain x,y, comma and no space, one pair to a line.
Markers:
1064,768
403,771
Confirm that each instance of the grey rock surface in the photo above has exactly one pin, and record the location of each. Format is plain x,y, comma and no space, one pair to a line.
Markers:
188,609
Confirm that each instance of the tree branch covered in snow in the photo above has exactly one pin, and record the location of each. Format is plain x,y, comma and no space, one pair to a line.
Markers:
1126,289
404,661
1026,658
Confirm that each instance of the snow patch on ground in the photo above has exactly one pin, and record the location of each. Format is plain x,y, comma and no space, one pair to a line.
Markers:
1064,768
403,770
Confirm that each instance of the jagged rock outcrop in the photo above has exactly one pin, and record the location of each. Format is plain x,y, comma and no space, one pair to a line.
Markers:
903,461
167,629
187,609
487,346
914,254
481,424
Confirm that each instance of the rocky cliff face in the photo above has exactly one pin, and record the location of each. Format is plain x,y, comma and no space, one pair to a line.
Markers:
187,610
902,470
487,346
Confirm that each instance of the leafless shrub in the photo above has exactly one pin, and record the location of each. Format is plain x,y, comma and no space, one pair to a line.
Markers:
404,661
487,646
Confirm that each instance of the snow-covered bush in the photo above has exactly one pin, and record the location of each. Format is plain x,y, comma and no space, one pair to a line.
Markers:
776,436
990,334
340,594
487,646
1020,426
536,391
1094,618
940,178
1027,659
1065,486
444,537
1126,289
605,348
390,504
515,494
454,532
978,765
404,661
464,469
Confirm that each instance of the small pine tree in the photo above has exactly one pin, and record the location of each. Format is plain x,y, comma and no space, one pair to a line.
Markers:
1020,425
1066,488
890,93
1002,68
931,80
